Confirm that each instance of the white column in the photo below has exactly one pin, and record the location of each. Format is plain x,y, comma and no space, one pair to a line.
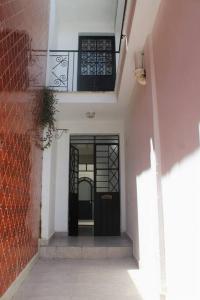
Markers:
122,182
62,183
48,191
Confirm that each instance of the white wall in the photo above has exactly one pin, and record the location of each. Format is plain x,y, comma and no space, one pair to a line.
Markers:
118,22
62,166
56,173
62,183
48,191
88,16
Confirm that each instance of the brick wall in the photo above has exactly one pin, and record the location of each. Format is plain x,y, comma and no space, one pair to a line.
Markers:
23,28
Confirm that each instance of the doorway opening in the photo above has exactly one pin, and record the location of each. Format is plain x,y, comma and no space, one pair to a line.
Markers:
94,189
86,189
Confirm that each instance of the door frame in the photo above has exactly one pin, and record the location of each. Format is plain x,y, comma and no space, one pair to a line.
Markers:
94,136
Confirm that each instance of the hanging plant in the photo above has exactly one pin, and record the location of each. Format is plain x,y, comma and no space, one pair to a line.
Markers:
46,117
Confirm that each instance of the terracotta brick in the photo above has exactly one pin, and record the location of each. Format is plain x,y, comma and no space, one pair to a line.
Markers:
23,26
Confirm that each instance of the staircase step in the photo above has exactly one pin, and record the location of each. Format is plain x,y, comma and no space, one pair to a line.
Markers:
85,252
88,247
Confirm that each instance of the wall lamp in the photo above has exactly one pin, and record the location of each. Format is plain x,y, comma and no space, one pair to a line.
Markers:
140,72
59,133
90,115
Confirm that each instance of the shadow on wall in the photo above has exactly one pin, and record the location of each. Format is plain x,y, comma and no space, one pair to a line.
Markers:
138,151
142,218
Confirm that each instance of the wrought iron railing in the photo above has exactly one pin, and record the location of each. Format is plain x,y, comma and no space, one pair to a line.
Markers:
63,68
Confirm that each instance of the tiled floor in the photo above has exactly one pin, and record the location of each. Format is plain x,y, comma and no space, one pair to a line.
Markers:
79,280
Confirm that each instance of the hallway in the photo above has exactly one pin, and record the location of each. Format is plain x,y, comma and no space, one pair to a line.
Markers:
62,279
99,127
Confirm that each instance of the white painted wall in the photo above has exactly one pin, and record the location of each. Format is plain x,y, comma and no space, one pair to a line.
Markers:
62,171
118,22
52,36
88,16
48,191
56,173
62,183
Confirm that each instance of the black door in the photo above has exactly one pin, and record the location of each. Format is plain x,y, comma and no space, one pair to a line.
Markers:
97,63
107,194
73,191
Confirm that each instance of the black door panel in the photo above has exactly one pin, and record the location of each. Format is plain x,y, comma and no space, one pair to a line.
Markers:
107,214
73,191
85,210
106,187
107,195
97,63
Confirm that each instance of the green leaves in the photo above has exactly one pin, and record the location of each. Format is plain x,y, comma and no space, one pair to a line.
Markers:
47,117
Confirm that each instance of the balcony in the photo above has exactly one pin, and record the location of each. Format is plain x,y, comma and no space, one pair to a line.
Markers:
73,70
84,45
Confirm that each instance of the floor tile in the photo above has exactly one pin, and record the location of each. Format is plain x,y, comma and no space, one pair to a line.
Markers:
75,279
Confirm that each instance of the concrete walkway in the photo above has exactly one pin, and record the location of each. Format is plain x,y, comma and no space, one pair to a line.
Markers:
79,279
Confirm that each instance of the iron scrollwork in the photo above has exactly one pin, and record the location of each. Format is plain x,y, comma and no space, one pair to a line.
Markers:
60,71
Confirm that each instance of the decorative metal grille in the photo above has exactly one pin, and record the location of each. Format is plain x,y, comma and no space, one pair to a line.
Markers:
107,160
91,139
104,45
74,170
96,45
113,156
59,70
95,61
88,45
63,66
107,168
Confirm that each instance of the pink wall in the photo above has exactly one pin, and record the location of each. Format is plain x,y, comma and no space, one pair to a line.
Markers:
141,188
176,48
139,133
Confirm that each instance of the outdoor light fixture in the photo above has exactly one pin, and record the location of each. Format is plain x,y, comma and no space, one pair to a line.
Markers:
140,72
90,115
59,133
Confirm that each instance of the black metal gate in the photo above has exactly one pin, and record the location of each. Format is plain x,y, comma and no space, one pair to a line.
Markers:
106,184
107,196
73,191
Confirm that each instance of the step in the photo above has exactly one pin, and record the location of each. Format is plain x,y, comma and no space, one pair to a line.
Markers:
87,247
